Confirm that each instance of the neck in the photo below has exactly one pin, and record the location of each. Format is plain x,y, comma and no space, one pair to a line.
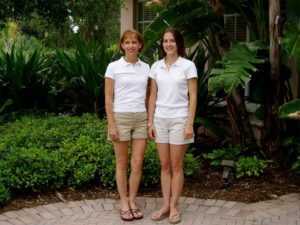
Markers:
130,59
171,59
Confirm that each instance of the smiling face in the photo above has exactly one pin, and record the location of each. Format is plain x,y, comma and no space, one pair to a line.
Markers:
172,42
131,42
169,44
131,45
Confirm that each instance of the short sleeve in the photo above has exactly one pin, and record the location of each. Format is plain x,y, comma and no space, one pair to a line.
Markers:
153,71
191,71
110,72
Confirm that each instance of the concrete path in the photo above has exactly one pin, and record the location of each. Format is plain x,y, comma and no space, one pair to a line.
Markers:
283,211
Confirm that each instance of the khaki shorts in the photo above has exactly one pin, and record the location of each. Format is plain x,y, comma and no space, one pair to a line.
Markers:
131,125
171,130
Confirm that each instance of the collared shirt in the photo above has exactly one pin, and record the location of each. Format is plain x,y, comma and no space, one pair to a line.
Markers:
130,85
172,95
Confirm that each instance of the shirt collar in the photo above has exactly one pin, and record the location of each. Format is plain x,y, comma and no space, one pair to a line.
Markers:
124,63
177,63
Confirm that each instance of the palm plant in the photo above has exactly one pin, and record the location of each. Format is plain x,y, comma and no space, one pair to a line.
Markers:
199,24
24,70
196,21
81,76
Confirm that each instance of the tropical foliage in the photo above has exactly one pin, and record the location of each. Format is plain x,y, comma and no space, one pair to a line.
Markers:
234,65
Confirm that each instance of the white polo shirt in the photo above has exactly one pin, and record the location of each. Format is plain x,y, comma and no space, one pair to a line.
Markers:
172,95
130,85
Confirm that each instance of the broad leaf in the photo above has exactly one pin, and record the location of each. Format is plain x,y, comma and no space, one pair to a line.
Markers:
237,66
289,108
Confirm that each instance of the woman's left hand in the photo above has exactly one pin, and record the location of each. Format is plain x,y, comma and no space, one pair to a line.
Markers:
188,131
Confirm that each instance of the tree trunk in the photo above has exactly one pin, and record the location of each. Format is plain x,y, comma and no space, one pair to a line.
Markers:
240,123
272,120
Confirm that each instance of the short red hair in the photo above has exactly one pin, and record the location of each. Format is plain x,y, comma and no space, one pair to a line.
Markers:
131,33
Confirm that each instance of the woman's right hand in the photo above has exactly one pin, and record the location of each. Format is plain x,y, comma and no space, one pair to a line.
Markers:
151,132
113,133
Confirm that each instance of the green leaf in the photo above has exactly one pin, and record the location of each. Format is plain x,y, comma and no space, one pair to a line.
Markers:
288,108
237,66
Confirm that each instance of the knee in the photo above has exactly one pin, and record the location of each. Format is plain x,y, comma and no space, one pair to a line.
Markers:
121,165
136,163
177,167
165,166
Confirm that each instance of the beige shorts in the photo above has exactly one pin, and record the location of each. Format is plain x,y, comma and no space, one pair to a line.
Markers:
131,125
171,130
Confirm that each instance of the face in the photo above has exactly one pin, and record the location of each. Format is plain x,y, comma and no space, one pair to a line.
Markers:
131,46
169,44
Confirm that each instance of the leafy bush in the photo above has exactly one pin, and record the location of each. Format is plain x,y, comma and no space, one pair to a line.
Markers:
4,194
191,165
48,152
151,169
250,166
34,169
107,167
291,146
82,160
296,166
217,155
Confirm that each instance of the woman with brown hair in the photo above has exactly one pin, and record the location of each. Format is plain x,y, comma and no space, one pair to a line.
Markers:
171,112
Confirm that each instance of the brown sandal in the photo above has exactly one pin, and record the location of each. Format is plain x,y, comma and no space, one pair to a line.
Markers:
135,213
157,216
174,219
126,215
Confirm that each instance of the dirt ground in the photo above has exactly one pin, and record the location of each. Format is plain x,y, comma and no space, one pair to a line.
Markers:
274,183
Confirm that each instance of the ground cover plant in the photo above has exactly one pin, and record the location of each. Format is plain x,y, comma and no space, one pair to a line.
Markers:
49,152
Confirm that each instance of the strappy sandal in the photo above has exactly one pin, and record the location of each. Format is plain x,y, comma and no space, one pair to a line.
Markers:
137,214
174,219
157,216
126,215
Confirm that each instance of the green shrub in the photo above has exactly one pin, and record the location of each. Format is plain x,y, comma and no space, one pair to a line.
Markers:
4,195
250,166
191,165
291,146
296,166
107,167
151,168
48,152
82,159
217,155
34,169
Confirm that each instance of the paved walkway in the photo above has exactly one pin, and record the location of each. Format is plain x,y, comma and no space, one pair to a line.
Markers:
283,211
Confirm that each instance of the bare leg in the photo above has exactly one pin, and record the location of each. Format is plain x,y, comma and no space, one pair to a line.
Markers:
138,147
121,154
177,156
165,175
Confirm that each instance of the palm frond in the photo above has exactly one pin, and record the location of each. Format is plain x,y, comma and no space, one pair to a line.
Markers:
236,68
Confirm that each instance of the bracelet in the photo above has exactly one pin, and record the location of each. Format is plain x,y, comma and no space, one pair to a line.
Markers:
149,125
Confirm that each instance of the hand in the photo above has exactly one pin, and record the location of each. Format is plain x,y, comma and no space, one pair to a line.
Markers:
188,132
113,133
151,132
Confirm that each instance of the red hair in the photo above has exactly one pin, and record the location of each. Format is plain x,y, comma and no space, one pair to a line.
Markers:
131,33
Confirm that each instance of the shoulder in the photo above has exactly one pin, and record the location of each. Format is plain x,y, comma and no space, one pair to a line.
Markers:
157,63
187,62
115,63
144,64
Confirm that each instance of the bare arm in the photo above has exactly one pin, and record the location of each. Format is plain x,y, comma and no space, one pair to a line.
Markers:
151,108
109,96
192,89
